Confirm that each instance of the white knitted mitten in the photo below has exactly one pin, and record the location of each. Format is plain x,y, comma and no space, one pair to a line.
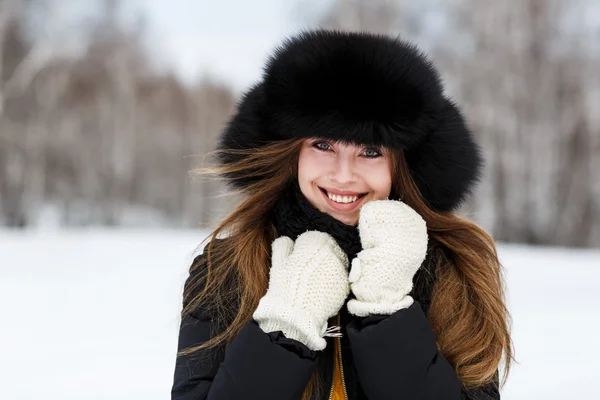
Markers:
394,240
308,284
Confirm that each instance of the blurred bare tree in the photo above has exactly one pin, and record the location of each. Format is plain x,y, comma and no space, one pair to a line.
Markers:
530,84
99,134
526,73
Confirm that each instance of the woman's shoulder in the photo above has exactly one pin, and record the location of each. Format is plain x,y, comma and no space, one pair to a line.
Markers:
198,275
199,267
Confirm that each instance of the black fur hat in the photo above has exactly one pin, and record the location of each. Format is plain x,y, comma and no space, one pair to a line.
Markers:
361,88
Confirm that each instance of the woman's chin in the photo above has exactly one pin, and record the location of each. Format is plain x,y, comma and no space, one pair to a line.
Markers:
346,219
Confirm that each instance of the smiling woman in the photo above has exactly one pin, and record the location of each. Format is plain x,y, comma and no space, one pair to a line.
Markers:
344,272
337,178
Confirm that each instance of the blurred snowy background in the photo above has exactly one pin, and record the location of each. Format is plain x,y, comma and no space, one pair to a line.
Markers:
106,105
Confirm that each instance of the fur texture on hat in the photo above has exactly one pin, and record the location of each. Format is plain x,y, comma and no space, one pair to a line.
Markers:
361,88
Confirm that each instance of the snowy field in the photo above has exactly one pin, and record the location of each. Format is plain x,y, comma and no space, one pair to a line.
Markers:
94,315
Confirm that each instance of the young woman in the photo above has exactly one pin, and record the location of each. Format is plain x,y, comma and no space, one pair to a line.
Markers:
344,272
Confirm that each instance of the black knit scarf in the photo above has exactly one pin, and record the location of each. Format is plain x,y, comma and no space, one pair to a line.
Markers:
293,215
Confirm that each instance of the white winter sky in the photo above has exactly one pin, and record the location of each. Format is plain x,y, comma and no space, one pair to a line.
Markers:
227,40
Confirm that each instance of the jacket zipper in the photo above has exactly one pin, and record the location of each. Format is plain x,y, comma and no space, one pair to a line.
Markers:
338,346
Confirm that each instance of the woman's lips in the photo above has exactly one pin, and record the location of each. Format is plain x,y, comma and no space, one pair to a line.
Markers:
344,207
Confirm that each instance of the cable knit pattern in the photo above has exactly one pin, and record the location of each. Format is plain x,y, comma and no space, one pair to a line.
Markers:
394,239
308,284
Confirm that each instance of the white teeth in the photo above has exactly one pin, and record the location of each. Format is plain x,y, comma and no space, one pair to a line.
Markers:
342,199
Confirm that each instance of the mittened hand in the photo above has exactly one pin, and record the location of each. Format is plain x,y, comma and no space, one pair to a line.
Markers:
394,240
308,284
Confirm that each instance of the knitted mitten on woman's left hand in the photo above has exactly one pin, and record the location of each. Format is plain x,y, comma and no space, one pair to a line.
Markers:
394,239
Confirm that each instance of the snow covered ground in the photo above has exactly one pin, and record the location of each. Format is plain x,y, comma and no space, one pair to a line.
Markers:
94,315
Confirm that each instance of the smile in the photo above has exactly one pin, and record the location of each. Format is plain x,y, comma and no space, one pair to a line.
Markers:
342,202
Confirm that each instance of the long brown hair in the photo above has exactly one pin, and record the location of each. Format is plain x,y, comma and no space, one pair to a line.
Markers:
467,311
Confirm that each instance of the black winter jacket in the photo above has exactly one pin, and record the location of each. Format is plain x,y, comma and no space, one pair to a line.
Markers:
383,357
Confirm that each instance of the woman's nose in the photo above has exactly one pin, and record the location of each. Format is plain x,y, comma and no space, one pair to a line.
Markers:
343,171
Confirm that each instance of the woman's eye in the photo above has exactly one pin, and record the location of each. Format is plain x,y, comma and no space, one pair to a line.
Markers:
372,153
321,146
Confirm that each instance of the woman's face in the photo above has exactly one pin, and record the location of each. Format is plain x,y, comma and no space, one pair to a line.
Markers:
339,178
